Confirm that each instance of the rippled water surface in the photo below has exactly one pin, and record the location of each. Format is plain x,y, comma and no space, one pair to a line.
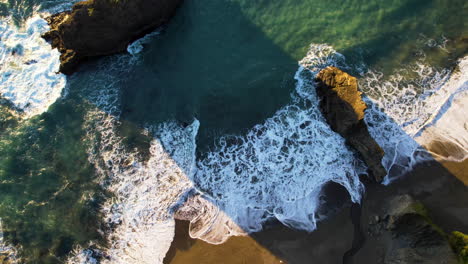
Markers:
227,65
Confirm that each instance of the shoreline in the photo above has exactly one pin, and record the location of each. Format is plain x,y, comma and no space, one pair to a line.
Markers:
429,182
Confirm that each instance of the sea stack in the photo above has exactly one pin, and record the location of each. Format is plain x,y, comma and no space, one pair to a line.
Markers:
102,27
343,108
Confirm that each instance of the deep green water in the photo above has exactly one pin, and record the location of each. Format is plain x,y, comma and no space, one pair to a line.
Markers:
230,64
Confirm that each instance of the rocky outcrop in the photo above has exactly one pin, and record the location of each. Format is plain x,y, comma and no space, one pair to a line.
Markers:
344,110
459,242
409,236
102,27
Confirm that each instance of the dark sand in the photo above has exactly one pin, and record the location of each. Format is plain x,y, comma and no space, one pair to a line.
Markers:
438,186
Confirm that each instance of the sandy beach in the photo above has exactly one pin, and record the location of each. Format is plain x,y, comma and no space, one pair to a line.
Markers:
439,186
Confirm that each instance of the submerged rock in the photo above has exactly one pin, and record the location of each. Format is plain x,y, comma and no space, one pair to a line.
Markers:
344,110
102,27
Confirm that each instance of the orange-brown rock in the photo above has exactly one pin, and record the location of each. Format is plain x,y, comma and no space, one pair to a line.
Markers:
343,108
102,27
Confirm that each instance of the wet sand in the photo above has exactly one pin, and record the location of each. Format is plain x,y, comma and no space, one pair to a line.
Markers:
458,169
438,186
235,250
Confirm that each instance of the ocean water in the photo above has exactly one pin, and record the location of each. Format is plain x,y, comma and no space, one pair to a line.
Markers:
219,103
29,79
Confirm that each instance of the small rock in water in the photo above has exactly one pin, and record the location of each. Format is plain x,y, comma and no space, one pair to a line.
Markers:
29,62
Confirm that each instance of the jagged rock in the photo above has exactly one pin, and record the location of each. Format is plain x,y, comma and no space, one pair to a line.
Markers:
344,110
102,27
414,238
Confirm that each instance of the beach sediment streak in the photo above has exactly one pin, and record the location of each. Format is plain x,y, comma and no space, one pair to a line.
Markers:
344,109
103,27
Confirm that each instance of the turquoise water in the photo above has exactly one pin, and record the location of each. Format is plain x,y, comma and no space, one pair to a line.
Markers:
229,64
232,55
46,182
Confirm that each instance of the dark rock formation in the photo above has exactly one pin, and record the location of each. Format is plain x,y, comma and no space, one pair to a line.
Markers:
409,234
102,27
343,108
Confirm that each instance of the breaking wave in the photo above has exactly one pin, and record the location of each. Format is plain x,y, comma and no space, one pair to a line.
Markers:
275,171
140,225
137,46
145,191
8,253
446,134
412,108
279,168
28,67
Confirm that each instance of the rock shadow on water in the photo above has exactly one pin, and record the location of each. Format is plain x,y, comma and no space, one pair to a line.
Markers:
363,235
424,183
207,68
156,92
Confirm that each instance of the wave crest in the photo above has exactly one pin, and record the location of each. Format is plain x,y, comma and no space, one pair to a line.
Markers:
29,66
279,168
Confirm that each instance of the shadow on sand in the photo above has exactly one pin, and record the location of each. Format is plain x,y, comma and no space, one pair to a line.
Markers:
173,82
176,82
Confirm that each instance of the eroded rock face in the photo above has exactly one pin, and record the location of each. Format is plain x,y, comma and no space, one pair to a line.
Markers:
410,236
344,110
102,27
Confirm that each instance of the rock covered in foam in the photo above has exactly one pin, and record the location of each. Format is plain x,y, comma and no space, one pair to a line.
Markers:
343,108
102,27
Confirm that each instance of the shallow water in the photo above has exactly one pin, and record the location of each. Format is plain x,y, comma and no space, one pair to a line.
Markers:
67,176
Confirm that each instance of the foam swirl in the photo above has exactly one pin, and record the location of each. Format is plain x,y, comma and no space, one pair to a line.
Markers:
412,103
279,168
28,67
275,171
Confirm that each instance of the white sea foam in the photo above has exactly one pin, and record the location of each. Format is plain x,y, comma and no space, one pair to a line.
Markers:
279,168
60,6
277,171
140,214
8,253
147,192
137,46
83,256
446,135
28,66
21,10
403,106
